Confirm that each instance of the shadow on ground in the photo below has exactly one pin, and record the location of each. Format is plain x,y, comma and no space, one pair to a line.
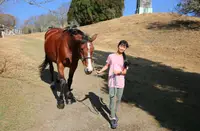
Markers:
169,94
98,105
175,24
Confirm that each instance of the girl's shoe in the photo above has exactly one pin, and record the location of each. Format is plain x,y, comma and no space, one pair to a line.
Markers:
113,123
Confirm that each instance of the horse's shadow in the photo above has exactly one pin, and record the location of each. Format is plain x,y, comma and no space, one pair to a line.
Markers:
55,88
98,105
46,77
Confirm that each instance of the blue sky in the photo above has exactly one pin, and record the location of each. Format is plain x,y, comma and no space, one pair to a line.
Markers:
22,11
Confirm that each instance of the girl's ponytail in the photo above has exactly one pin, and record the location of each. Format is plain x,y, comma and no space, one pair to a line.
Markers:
126,61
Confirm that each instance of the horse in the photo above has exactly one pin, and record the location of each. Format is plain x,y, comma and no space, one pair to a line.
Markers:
66,47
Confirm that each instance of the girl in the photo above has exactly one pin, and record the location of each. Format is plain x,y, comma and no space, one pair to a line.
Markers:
118,66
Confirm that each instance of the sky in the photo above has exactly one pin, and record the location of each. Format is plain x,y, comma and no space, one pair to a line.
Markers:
22,11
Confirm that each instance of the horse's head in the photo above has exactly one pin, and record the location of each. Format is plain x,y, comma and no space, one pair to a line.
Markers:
86,47
86,53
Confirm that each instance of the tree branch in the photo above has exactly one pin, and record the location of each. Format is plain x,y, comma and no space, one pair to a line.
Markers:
2,1
38,4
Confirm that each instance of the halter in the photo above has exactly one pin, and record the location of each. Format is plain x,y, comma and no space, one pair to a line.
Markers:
85,58
88,55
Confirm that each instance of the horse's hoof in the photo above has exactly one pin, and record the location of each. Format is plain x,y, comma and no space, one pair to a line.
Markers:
60,104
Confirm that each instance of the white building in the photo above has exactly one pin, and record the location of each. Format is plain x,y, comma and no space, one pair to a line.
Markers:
143,6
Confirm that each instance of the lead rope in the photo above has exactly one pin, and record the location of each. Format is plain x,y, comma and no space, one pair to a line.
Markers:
99,92
97,84
81,101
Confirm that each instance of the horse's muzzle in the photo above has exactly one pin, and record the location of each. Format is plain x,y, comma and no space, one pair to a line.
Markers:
87,71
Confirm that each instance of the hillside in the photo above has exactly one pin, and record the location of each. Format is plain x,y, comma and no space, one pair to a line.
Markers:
170,45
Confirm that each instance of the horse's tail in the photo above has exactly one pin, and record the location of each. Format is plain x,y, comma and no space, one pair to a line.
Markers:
43,65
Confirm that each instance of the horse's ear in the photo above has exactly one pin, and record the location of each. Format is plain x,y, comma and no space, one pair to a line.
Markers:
93,37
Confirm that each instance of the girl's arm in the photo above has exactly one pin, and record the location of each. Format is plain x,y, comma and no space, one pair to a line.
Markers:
123,72
103,69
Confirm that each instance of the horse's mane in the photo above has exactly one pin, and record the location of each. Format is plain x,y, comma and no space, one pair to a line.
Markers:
74,31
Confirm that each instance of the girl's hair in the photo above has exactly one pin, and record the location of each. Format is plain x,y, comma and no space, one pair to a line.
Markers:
126,62
123,42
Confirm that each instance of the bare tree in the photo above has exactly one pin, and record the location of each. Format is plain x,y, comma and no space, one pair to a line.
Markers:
40,23
7,20
61,13
55,18
43,22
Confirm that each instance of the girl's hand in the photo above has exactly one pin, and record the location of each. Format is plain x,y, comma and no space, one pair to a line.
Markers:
124,71
98,72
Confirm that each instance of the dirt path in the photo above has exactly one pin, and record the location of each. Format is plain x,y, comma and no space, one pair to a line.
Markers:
27,102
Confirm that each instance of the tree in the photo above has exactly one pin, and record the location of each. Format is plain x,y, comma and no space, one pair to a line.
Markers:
57,18
39,23
189,7
29,25
43,22
8,20
61,14
92,11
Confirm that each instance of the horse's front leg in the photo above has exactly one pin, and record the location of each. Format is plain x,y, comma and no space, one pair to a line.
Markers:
68,92
63,84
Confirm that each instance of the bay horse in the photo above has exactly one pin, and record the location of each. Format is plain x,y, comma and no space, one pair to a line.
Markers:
65,47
